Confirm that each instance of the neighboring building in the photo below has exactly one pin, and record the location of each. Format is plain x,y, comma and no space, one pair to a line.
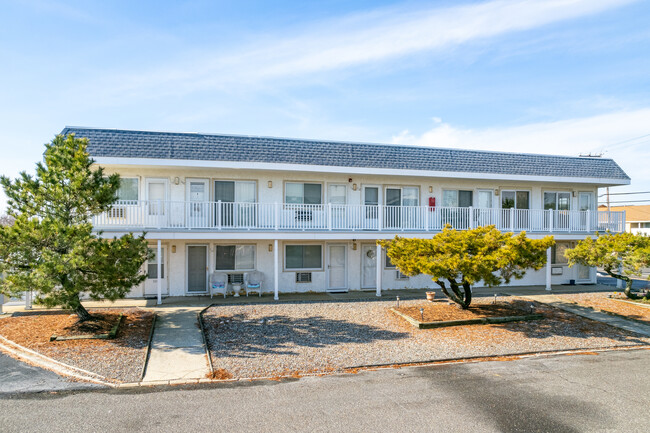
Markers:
307,213
637,218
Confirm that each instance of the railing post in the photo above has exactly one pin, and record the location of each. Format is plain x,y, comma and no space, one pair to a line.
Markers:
471,217
550,220
588,220
160,213
276,215
621,226
427,211
329,216
219,213
512,219
380,216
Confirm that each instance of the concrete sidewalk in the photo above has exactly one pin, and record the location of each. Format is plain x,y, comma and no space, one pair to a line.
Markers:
590,313
177,348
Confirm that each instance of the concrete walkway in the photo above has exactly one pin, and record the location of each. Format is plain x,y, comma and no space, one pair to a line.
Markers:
177,348
590,313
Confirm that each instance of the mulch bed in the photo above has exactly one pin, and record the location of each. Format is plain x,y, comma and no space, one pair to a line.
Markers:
294,339
119,359
436,312
602,301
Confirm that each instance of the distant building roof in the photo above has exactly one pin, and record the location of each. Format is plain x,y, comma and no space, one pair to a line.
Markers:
217,147
634,213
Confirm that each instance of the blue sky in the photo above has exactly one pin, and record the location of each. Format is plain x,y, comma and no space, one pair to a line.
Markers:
565,77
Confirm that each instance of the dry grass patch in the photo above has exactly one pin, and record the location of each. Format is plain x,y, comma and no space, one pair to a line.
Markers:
610,302
119,359
437,312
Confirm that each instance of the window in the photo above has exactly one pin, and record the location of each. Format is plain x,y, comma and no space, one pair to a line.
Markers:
128,190
515,200
644,225
303,257
388,262
557,200
557,253
152,265
405,196
229,191
303,193
457,198
235,257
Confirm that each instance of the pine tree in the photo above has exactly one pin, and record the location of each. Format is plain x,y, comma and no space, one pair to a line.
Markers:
51,248
462,258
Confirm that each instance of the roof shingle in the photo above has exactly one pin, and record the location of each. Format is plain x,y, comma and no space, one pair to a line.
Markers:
217,147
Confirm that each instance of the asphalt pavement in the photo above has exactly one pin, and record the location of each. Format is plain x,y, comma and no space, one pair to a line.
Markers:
608,391
18,377
637,283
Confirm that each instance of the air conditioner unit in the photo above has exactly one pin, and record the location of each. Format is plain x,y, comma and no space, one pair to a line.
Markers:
303,277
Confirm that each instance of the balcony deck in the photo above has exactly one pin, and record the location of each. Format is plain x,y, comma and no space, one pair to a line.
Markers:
269,217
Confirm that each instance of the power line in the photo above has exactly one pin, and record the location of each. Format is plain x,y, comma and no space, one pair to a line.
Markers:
624,193
630,201
628,140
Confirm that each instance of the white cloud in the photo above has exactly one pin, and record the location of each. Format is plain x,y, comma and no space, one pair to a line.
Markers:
357,40
618,135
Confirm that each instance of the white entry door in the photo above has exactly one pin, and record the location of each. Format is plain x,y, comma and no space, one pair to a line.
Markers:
368,267
337,268
151,283
370,207
156,208
197,207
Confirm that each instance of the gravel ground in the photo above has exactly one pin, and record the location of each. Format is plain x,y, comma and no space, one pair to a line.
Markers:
299,338
602,301
119,360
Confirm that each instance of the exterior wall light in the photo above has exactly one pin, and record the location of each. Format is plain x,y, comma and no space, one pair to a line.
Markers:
270,247
354,187
270,184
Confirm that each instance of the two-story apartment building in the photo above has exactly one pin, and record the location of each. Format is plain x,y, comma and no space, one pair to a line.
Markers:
307,213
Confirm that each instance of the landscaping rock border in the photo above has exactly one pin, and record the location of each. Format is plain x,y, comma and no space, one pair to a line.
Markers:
479,321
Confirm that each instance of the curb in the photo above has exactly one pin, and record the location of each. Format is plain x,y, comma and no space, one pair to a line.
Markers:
146,357
372,367
199,317
40,360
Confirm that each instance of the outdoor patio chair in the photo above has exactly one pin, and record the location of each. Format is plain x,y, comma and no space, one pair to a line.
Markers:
253,282
218,283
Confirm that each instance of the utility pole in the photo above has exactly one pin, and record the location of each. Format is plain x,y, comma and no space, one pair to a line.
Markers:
607,198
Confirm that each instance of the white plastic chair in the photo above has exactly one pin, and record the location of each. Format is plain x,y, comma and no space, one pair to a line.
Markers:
218,283
253,282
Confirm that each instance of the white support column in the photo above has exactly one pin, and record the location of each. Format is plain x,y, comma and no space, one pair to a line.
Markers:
28,300
548,268
619,282
276,269
380,269
159,274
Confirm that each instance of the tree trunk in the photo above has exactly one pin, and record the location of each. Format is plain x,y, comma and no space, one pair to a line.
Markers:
82,313
462,297
628,283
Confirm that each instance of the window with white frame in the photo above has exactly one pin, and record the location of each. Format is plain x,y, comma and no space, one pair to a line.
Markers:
303,257
235,257
129,189
152,264
557,200
303,193
457,198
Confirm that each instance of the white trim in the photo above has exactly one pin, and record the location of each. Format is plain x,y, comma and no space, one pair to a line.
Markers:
187,267
346,284
356,170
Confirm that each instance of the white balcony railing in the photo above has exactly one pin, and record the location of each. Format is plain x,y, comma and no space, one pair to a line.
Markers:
172,215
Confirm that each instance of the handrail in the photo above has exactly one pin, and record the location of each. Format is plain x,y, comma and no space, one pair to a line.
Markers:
247,216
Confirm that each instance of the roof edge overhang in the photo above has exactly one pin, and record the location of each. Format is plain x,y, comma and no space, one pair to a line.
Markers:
190,163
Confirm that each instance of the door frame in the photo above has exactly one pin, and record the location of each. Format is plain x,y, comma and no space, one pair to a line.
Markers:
345,274
165,263
188,212
187,267
361,285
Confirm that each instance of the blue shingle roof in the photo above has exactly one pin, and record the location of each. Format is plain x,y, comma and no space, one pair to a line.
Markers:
216,147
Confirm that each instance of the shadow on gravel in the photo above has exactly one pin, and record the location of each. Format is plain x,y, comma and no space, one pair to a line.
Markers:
237,336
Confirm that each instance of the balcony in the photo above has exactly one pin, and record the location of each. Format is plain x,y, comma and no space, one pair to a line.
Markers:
223,216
